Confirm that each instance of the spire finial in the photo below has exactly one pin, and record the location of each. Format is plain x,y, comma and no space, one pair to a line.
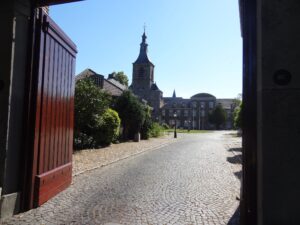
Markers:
174,94
144,27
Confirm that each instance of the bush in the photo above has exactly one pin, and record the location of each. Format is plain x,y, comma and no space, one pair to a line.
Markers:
147,125
90,104
237,117
156,130
108,128
82,140
165,126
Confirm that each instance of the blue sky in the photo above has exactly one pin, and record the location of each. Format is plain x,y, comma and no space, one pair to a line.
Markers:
195,45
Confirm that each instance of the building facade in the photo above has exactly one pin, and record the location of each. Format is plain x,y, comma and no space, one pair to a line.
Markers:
193,113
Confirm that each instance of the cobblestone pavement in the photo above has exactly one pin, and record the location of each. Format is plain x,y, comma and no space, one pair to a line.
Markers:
94,158
191,181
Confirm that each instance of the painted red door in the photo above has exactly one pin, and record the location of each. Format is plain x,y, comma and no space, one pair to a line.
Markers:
53,111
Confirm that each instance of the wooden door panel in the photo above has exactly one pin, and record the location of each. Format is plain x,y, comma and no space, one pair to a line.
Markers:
53,139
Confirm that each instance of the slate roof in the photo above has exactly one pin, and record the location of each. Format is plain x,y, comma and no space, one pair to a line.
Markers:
178,101
143,57
86,73
112,86
117,83
154,87
227,103
203,95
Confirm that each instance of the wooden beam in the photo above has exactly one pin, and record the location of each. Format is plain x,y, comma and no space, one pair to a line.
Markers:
54,2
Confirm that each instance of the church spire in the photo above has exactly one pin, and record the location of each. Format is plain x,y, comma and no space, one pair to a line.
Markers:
143,57
174,94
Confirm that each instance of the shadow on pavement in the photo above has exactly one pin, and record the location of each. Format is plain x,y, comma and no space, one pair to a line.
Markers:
237,159
238,175
235,150
235,219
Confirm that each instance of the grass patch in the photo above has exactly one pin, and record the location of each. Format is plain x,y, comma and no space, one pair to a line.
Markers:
186,131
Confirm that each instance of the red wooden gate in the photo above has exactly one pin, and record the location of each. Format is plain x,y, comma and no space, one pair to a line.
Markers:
52,143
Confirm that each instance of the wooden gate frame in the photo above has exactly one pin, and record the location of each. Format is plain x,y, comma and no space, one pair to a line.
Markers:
47,175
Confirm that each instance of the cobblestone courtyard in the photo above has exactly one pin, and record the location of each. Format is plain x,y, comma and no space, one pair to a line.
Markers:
194,180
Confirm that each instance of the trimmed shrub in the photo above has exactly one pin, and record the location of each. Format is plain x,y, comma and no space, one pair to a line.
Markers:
108,128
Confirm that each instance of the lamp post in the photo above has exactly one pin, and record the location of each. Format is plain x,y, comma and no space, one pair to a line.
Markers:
175,132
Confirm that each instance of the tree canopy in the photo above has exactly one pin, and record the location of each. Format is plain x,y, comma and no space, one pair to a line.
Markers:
218,116
237,116
121,77
131,112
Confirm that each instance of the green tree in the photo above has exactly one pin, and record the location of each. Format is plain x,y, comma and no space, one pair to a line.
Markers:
237,116
131,112
90,104
121,77
218,116
147,125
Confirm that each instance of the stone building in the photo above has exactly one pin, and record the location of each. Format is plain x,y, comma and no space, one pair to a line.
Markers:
110,85
189,113
193,113
143,84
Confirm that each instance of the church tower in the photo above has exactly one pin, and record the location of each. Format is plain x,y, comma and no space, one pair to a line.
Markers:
143,71
143,84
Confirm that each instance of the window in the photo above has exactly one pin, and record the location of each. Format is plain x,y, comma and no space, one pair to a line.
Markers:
194,113
186,113
202,105
194,104
211,105
178,112
170,112
163,112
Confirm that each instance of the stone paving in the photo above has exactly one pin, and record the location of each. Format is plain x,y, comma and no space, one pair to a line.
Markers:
90,159
190,181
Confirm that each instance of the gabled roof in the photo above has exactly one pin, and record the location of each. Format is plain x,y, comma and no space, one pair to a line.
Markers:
117,83
86,73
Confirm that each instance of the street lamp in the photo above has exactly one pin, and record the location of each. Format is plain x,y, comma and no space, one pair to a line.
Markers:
175,132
